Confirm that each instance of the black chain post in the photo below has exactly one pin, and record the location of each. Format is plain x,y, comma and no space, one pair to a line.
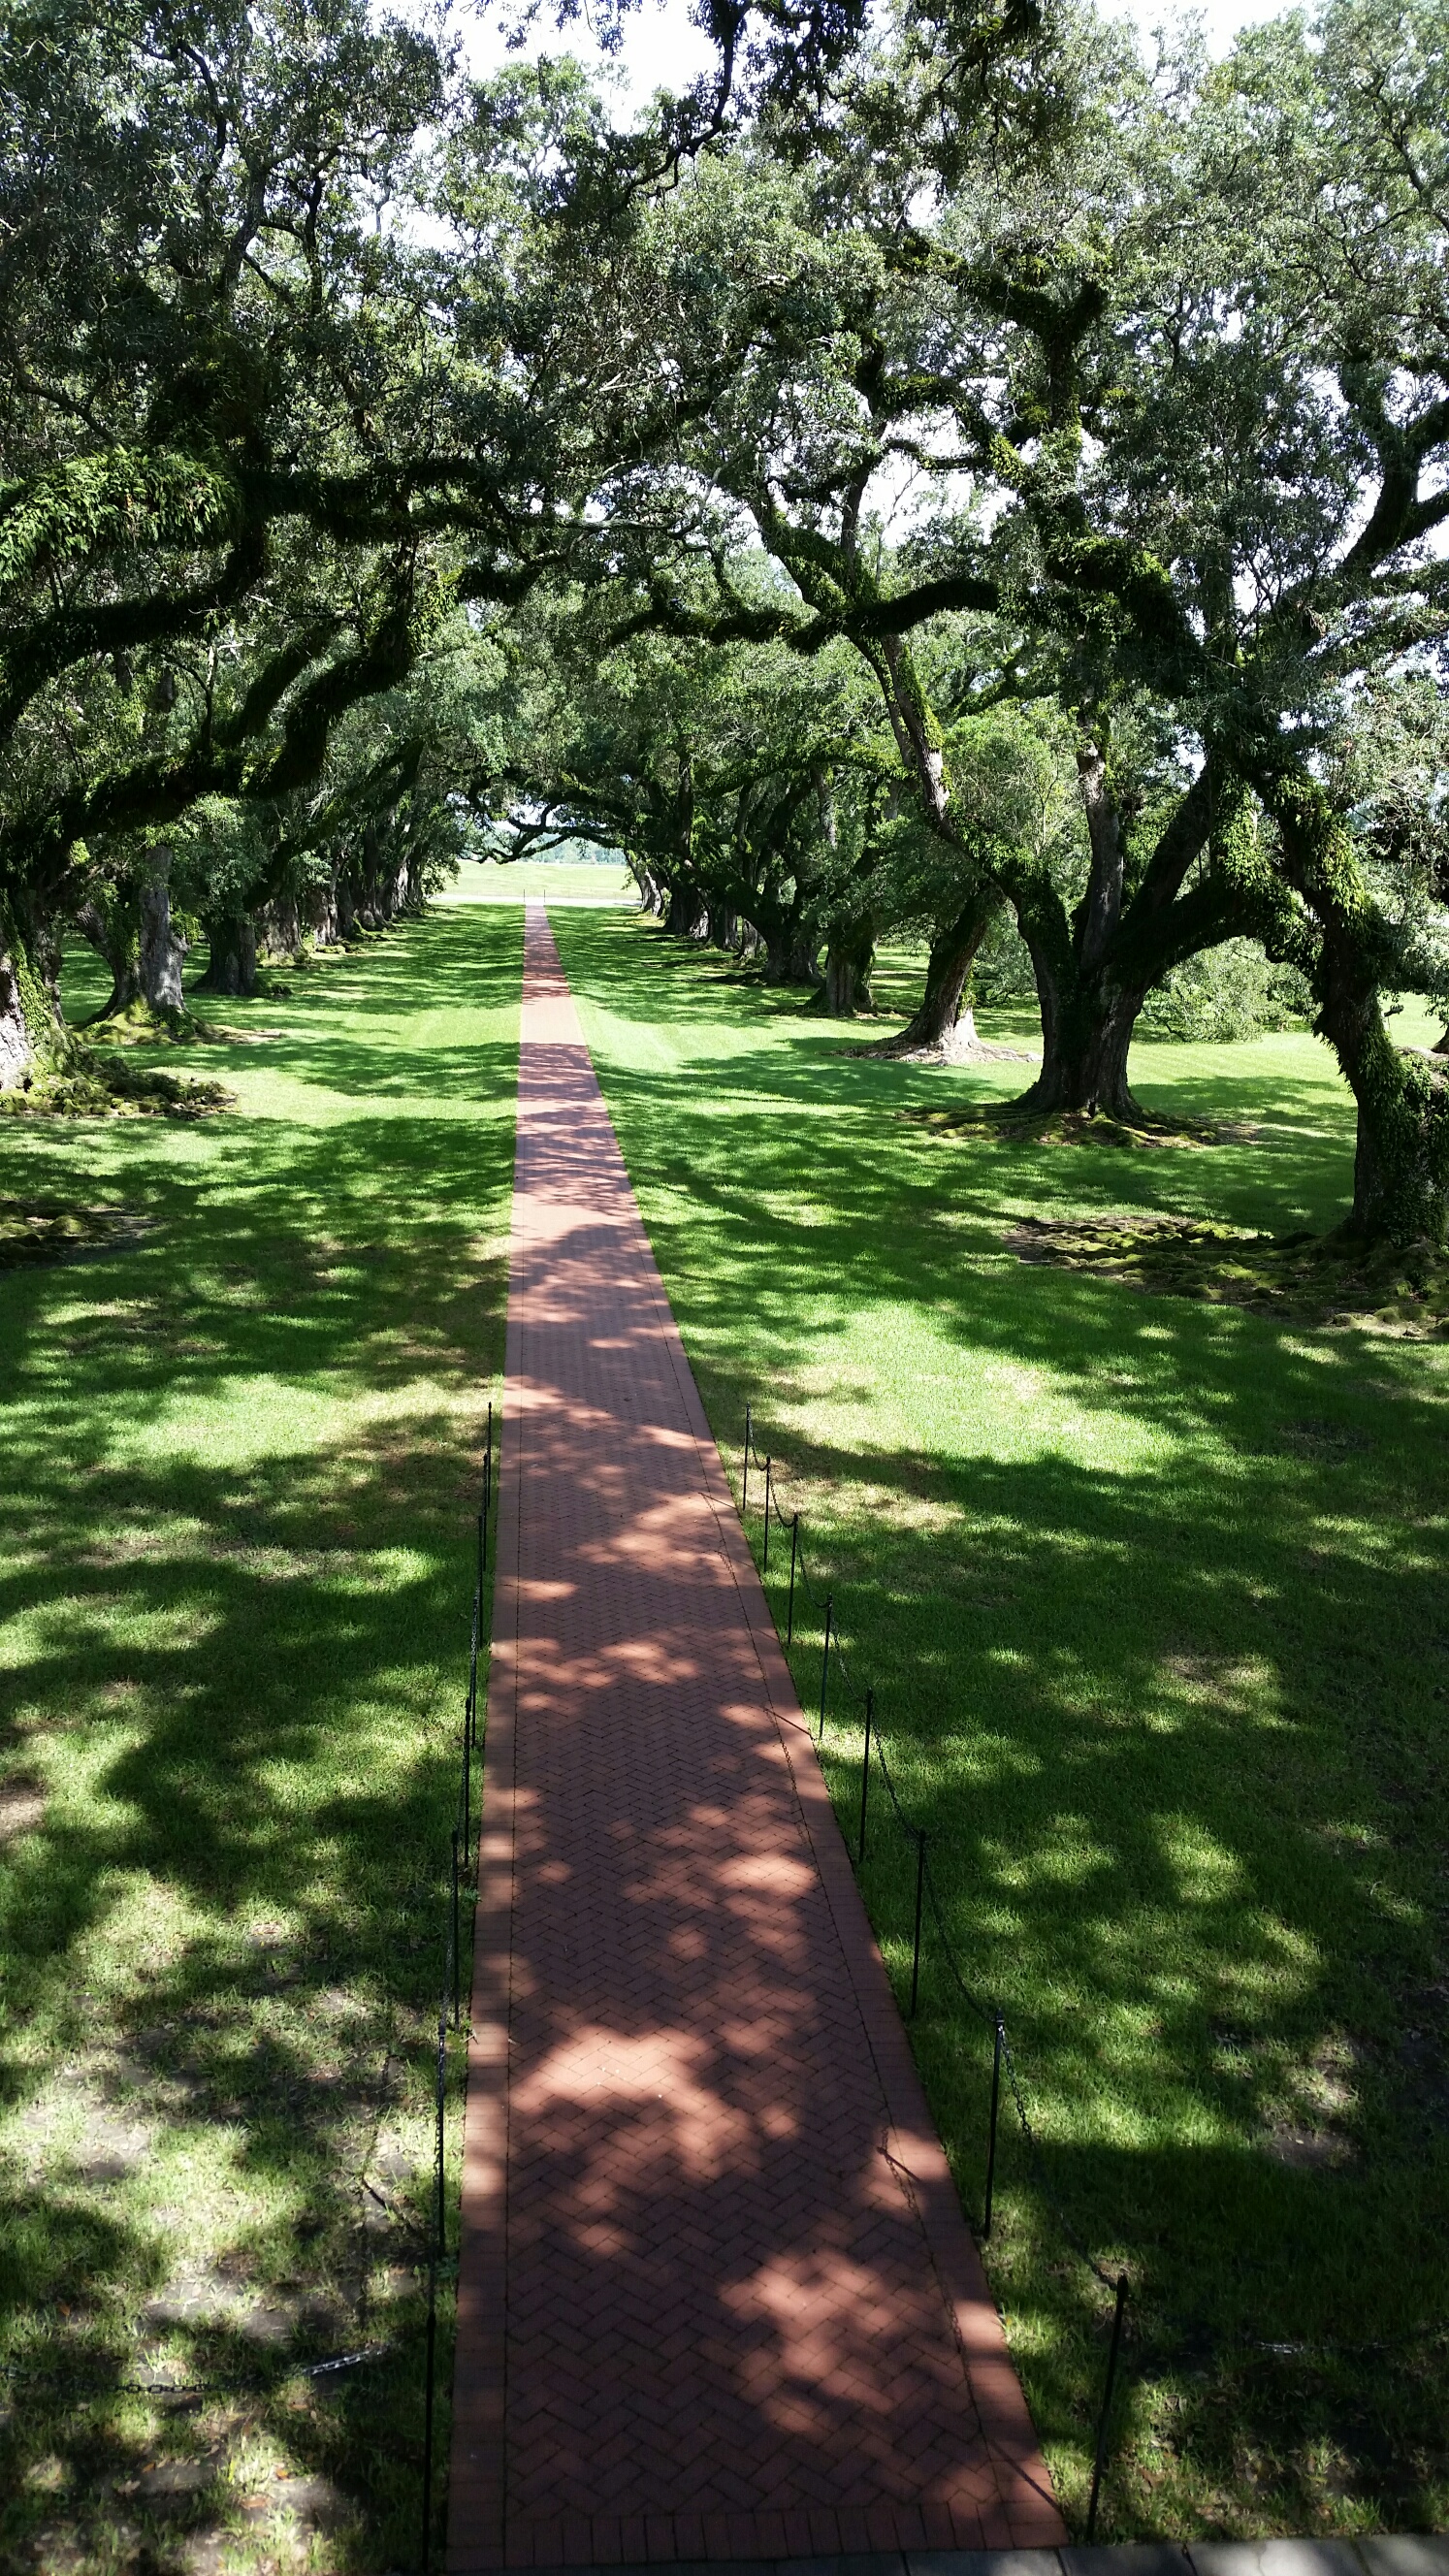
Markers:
439,2247
457,1946
442,2233
999,2044
428,2415
483,1515
467,1782
1104,2424
920,1892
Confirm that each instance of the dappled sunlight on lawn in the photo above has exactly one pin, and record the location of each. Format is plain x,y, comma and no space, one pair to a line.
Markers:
1154,1597
242,1455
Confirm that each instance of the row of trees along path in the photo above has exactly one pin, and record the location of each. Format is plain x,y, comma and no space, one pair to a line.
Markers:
716,2295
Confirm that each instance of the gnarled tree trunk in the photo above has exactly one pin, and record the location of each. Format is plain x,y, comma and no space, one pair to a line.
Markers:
849,957
322,914
231,965
1088,1012
111,932
279,931
1086,1029
32,1032
1401,1157
17,1036
369,895
1401,1161
162,950
942,1026
790,955
687,916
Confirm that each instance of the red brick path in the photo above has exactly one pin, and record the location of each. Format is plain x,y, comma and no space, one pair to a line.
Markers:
717,2299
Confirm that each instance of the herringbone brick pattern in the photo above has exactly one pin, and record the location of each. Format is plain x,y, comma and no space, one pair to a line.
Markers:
716,2297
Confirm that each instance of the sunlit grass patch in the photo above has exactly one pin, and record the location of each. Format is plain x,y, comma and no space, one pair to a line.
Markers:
1153,1592
512,880
243,1451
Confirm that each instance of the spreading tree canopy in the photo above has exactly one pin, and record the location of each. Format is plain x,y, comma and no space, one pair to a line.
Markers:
906,415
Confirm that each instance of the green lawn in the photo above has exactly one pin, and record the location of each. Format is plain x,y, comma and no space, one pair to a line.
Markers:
236,1572
487,882
1154,1596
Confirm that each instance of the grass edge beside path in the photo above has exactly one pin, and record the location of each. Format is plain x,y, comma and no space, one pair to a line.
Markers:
1154,1597
243,1446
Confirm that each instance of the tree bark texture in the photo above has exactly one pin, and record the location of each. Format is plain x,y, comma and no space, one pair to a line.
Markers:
17,1040
322,915
231,956
32,1032
1401,1158
687,915
1401,1154
1086,1025
790,954
279,931
849,957
162,950
942,1024
111,932
1088,1012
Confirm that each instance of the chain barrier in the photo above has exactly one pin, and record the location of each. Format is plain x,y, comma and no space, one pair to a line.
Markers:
27,2376
464,1879
1149,2319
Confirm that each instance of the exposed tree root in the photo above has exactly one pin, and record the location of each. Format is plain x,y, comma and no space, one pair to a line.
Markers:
1319,1279
952,1050
141,1024
1016,1121
41,1230
84,1085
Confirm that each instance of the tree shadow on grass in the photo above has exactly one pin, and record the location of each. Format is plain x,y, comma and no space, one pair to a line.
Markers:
1154,1603
242,1459
776,1056
259,1732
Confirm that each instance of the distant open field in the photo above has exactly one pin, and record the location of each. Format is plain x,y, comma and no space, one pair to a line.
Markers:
489,883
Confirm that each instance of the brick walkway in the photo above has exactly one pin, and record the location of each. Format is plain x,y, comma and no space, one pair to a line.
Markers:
716,2297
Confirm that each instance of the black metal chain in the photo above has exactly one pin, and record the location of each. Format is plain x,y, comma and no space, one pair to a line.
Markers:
1147,2320
40,2376
988,2015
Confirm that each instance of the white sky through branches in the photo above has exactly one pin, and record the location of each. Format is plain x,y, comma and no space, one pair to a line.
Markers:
661,50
